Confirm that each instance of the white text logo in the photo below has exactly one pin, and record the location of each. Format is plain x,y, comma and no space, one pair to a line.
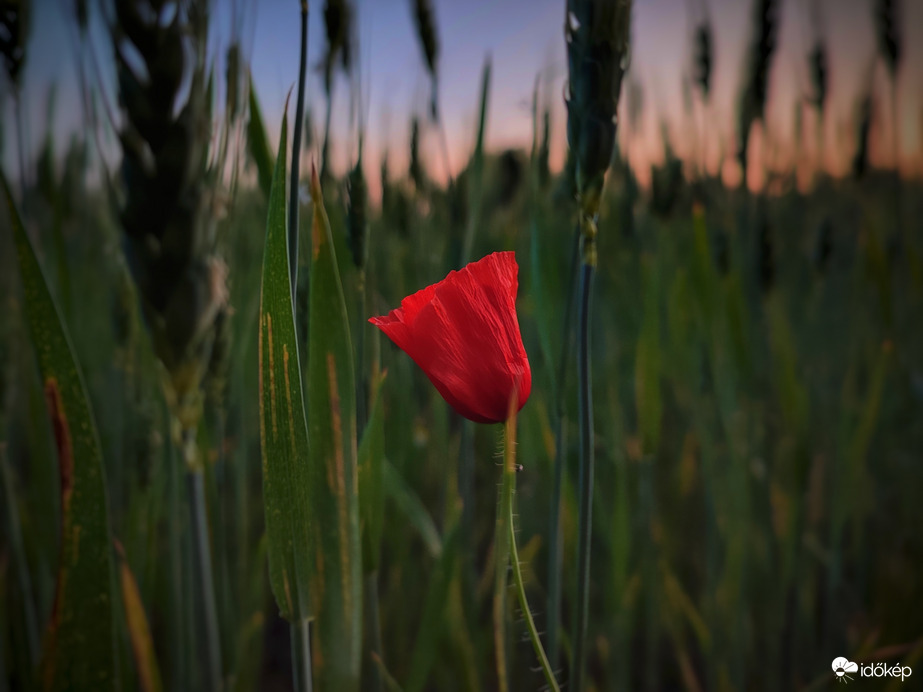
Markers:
845,670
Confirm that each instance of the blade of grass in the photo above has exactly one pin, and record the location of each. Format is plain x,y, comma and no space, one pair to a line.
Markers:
139,631
18,557
80,644
283,425
390,683
334,508
258,144
410,505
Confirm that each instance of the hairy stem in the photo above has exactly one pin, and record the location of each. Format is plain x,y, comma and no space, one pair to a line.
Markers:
501,563
509,481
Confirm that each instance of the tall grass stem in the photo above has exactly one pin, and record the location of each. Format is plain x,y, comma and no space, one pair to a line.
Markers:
301,656
585,412
195,485
555,534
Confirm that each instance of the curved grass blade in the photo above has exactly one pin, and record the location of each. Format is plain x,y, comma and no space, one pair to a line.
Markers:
283,429
139,631
258,144
412,507
391,685
79,648
334,510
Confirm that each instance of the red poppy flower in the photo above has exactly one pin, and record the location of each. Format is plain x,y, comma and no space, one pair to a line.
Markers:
463,332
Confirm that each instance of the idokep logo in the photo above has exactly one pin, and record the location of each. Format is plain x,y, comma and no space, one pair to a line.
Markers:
842,667
845,670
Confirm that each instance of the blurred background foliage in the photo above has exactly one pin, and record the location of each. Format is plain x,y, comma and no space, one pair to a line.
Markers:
758,384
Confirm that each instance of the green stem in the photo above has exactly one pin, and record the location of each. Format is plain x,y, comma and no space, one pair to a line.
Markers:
506,554
501,563
179,651
293,201
517,570
301,656
585,401
203,560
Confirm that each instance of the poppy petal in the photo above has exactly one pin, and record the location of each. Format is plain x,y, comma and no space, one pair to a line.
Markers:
464,334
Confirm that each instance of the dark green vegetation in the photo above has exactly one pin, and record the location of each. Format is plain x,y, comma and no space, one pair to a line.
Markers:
758,413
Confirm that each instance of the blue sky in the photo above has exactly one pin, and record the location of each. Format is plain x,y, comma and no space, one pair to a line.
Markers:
523,39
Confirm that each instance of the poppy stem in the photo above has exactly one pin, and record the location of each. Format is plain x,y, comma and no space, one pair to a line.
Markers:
585,411
502,553
509,473
506,554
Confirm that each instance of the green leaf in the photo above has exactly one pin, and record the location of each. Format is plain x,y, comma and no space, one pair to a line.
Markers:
337,576
371,489
80,642
283,429
258,145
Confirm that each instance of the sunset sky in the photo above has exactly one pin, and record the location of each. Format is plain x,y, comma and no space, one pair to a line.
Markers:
524,39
